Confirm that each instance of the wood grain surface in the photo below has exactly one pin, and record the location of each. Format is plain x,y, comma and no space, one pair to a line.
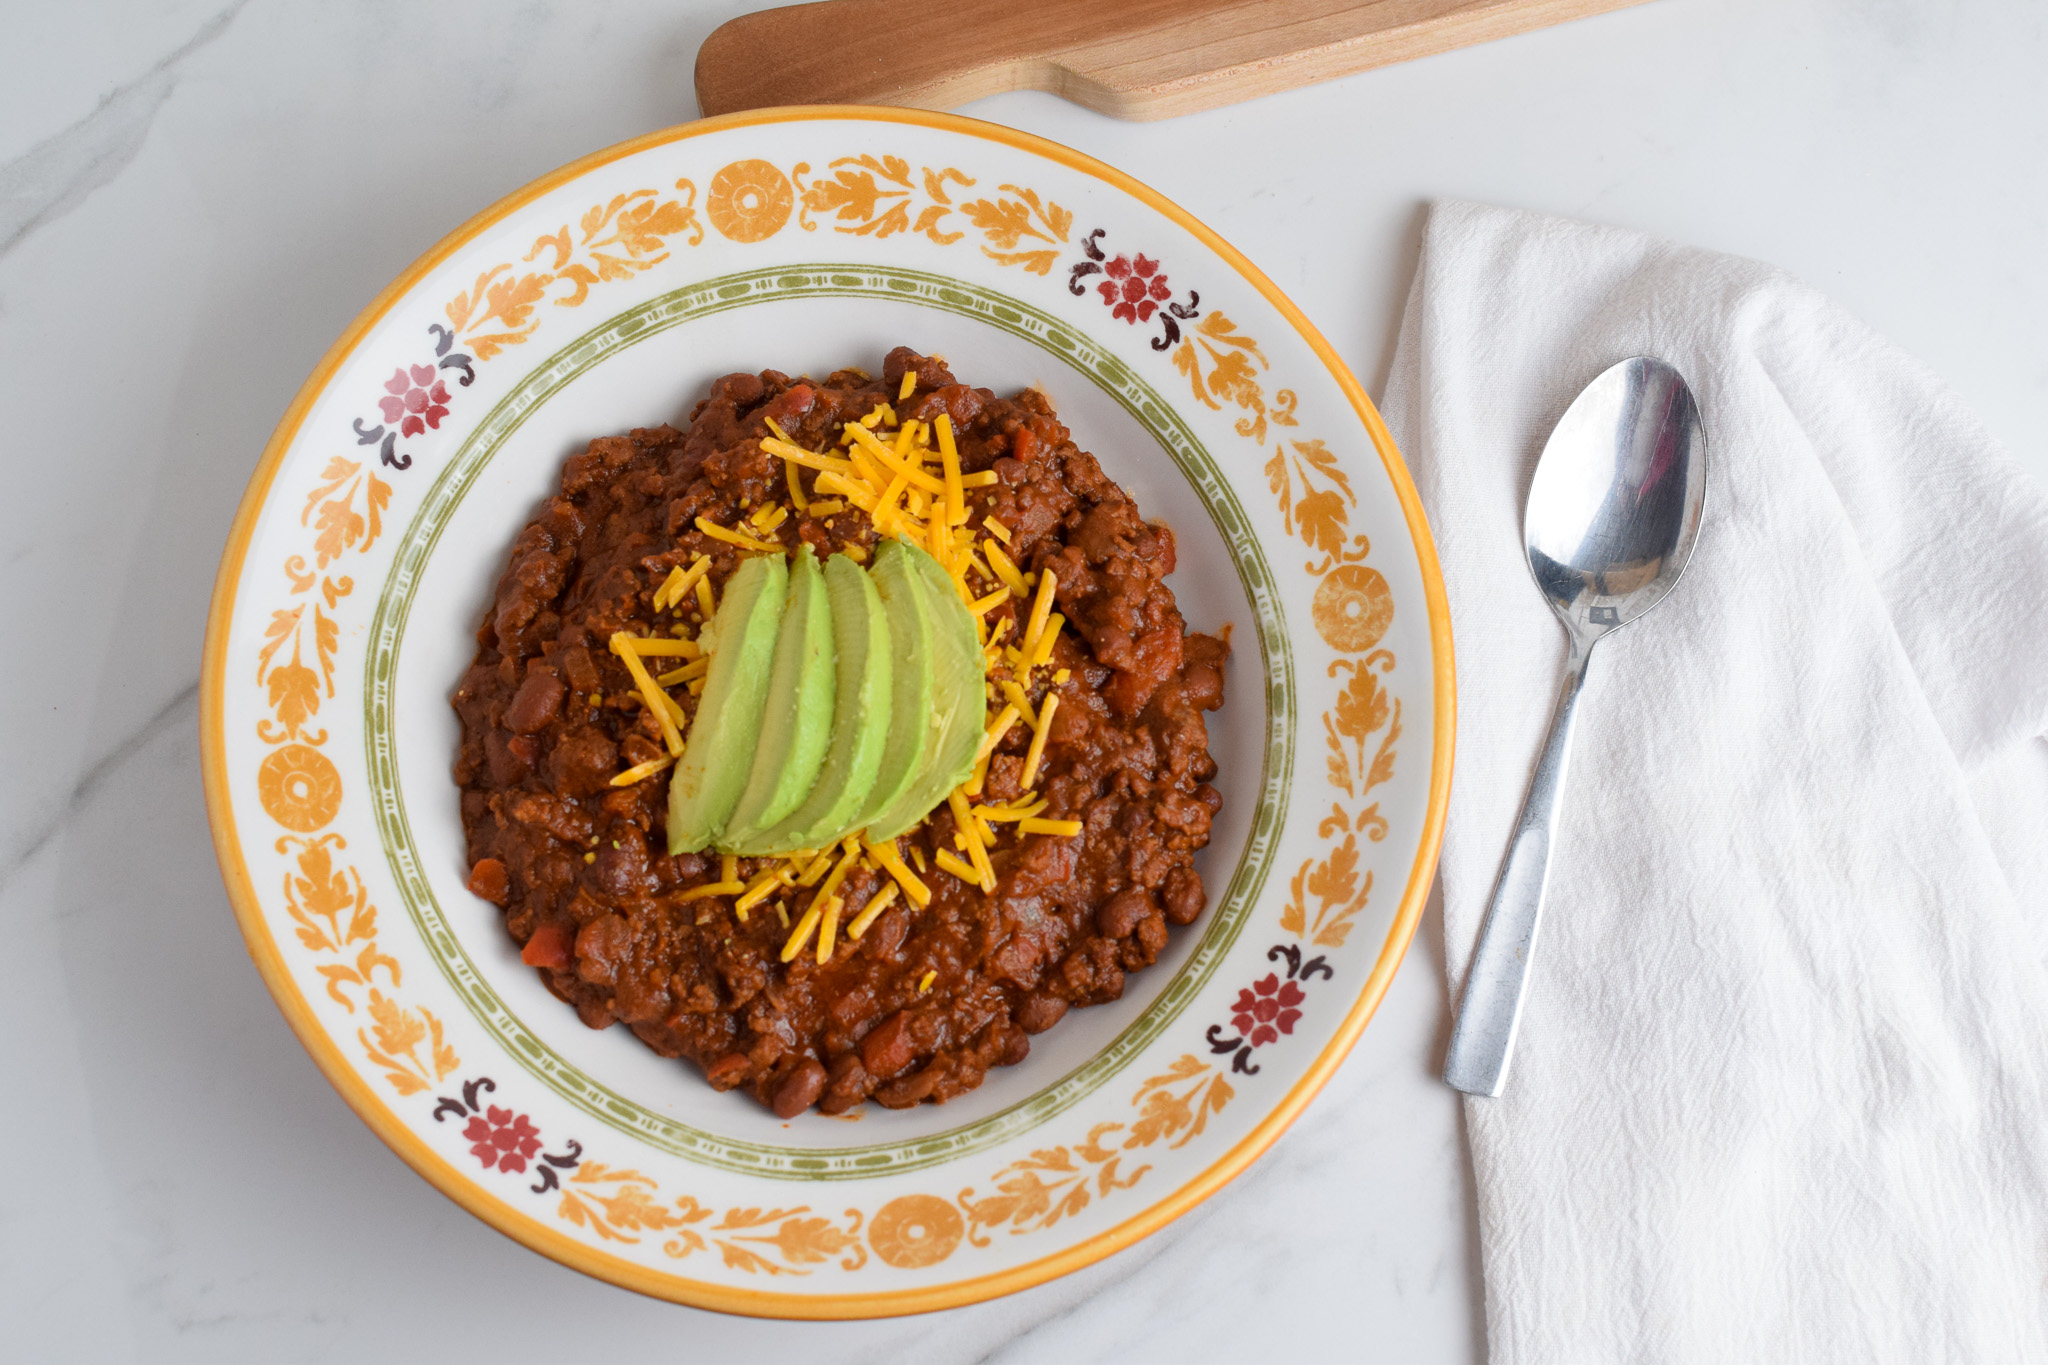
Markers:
1135,59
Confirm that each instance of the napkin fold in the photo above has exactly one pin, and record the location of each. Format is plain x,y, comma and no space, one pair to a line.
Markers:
1781,1091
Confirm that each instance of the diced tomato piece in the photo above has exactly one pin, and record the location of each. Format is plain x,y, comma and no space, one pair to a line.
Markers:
550,945
488,879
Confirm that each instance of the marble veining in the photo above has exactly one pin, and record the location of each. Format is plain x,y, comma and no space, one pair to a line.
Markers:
181,710
56,175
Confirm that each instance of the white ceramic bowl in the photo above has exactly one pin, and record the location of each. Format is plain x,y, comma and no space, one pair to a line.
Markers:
607,296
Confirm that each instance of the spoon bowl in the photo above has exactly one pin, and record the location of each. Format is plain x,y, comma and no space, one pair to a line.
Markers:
1612,518
1614,510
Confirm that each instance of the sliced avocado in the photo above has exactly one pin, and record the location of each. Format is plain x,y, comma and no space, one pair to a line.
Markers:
860,716
708,780
958,700
796,719
913,724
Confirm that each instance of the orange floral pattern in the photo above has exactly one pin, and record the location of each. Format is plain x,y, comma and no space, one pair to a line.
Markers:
747,201
298,787
915,1231
615,240
878,196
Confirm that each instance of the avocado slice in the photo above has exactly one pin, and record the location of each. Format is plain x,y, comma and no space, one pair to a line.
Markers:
913,724
860,716
958,706
741,637
796,719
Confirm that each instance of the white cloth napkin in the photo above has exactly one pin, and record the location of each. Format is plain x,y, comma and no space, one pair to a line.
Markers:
1781,1092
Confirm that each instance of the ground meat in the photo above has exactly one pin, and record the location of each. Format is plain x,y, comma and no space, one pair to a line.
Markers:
928,999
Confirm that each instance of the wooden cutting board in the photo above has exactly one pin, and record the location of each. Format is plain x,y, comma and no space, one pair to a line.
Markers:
1135,59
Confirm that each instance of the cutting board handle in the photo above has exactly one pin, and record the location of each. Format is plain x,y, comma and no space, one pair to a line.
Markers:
1135,59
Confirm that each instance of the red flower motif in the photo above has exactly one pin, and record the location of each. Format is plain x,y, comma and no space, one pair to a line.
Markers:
418,400
1267,1007
1134,289
502,1139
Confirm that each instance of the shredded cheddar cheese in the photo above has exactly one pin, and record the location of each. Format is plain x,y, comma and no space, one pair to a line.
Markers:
761,888
818,865
1005,568
801,934
1036,753
839,871
667,714
796,489
944,858
1041,608
1046,639
670,586
696,668
828,928
949,460
890,861
877,903
796,454
652,647
739,538
998,728
640,772
1019,700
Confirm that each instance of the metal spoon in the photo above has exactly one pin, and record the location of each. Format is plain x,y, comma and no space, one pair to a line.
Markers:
1613,514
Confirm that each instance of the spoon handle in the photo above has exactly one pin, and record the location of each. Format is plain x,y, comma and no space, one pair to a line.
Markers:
1491,1013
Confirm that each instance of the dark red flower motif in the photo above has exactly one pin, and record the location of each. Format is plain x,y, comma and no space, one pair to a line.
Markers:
1267,1007
418,400
1134,289
502,1139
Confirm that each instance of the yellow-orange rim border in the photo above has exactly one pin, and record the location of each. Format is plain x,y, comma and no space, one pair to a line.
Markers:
540,1237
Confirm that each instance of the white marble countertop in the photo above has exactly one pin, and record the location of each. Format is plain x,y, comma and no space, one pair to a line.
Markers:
195,200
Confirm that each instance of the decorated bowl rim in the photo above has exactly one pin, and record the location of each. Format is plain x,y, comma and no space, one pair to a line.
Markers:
538,1236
